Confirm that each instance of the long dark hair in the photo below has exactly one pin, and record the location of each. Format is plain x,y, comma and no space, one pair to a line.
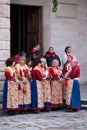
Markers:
36,62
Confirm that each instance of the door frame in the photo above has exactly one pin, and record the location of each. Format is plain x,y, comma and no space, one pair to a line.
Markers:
46,4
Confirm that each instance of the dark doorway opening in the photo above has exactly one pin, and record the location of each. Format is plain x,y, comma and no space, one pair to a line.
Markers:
26,28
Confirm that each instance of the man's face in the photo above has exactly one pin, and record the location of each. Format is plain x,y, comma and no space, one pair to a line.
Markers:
38,47
51,50
69,50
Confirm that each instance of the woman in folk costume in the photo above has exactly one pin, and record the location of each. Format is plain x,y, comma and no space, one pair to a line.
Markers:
66,70
37,87
74,102
56,84
68,82
10,91
24,84
29,64
46,85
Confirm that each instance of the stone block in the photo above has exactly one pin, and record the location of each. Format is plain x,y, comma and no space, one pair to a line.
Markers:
29,2
2,76
1,85
68,1
2,66
1,97
5,45
67,11
5,23
4,55
4,11
4,34
4,1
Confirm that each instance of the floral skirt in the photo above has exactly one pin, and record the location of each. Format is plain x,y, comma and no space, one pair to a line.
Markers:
10,95
75,101
24,95
37,97
47,93
68,85
56,97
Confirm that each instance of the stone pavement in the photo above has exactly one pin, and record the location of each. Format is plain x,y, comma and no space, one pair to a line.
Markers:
54,120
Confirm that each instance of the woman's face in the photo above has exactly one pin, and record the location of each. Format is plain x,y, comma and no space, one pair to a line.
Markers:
42,63
69,59
13,64
56,64
30,63
22,61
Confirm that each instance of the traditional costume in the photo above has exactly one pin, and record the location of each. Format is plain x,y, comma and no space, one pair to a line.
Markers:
56,87
47,88
64,59
24,86
75,99
66,70
10,91
37,89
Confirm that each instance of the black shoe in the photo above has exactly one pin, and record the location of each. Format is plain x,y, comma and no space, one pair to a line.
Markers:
75,110
69,110
46,109
22,112
35,111
11,112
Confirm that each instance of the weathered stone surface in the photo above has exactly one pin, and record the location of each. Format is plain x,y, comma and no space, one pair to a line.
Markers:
4,23
1,85
67,10
58,120
4,45
69,1
1,97
4,35
2,66
4,1
68,27
4,55
4,11
2,77
30,2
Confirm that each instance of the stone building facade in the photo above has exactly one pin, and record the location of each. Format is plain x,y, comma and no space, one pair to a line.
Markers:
68,26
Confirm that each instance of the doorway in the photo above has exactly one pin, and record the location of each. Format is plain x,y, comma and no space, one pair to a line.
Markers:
26,28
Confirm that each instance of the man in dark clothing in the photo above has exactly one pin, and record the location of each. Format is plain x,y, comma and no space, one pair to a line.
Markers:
35,52
50,56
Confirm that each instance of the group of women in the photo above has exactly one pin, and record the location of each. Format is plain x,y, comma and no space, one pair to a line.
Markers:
38,87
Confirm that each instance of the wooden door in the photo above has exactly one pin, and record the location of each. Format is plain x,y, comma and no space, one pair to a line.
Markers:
26,28
34,26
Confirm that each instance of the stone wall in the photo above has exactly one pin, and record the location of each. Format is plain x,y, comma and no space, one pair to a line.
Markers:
69,27
4,38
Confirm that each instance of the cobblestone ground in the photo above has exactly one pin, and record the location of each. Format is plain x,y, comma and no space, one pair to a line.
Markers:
54,120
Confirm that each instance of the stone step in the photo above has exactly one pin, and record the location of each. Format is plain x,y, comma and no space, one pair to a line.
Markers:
84,101
1,96
84,107
84,104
